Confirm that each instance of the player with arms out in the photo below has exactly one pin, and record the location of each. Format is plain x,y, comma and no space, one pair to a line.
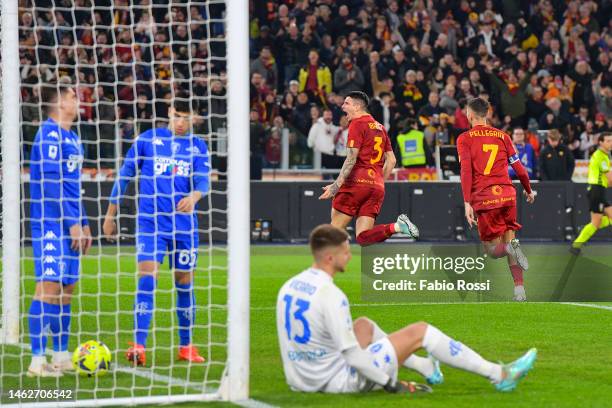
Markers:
172,167
359,190
600,177
60,230
488,193
323,350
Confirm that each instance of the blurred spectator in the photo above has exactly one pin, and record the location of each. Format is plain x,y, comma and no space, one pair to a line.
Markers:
258,145
315,78
322,139
413,150
348,77
556,159
525,152
427,112
265,65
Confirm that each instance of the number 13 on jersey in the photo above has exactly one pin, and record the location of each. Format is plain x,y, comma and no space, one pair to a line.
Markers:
297,317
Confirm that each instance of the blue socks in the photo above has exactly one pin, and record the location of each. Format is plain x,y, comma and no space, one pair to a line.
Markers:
65,324
143,309
37,338
44,318
185,311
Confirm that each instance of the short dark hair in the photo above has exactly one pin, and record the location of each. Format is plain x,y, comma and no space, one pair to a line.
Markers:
602,136
182,104
360,96
326,235
50,93
479,106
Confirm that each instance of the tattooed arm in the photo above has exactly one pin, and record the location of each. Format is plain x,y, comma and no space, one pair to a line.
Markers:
331,189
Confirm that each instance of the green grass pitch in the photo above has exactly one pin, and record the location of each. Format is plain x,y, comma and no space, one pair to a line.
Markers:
573,367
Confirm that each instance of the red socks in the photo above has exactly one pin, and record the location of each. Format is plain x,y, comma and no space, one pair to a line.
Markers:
499,251
517,275
377,234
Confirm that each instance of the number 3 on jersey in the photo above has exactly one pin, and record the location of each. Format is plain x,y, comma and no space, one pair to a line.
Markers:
493,148
377,154
298,315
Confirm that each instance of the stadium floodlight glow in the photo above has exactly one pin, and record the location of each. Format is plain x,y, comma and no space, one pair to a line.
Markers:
103,302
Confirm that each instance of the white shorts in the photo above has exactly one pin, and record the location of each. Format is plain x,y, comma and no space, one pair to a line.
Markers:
348,380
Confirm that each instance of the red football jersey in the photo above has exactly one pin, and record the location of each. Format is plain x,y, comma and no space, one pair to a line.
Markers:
370,137
487,152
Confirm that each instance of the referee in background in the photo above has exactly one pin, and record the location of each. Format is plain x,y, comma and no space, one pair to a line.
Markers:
600,177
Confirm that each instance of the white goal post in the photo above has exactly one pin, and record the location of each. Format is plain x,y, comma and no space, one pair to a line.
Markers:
234,381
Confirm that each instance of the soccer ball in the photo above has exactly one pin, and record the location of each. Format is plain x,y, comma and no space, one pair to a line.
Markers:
91,358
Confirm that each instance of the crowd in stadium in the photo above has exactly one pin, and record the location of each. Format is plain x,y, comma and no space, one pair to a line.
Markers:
544,66
128,60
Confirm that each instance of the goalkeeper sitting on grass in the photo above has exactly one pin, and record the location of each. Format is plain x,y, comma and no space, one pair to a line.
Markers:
172,167
324,350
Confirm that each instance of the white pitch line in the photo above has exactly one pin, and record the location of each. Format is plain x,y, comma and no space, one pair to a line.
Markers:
173,381
592,306
251,403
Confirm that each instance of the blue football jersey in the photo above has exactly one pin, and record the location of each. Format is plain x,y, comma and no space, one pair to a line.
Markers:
168,168
55,178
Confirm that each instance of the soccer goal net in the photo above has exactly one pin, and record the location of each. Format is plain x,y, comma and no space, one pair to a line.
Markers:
128,62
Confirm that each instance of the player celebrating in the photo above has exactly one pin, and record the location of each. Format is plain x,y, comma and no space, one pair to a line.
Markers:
60,231
488,193
172,167
359,190
323,350
599,179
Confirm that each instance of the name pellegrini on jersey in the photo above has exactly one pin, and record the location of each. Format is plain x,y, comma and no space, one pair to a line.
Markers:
173,166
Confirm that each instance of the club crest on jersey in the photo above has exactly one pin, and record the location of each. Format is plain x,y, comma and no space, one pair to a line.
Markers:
193,150
175,147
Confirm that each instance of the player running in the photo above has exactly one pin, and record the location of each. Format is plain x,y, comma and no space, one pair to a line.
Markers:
600,177
60,230
359,190
323,350
488,193
172,168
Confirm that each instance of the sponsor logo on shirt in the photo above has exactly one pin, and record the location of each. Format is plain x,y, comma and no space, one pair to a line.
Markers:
496,190
165,165
74,162
157,142
53,134
49,259
50,235
306,355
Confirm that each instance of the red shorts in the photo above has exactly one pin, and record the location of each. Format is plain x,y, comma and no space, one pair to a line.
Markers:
495,222
359,201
